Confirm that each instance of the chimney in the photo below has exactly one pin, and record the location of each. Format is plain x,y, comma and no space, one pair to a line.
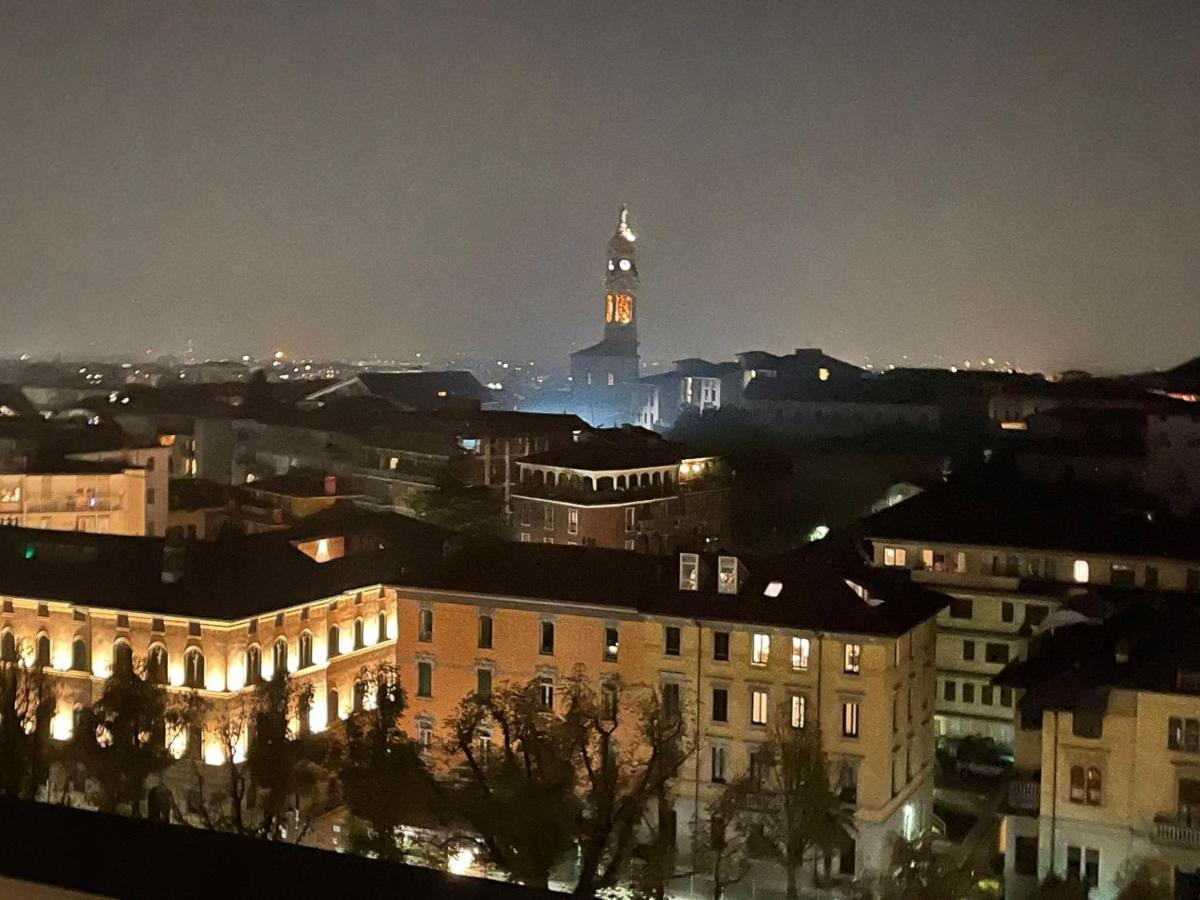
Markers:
330,485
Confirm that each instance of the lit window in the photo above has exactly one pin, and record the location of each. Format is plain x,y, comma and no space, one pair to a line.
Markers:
193,668
689,572
425,625
797,711
800,647
823,374
853,659
572,521
631,520
306,650
546,692
1081,571
758,707
895,556
850,720
727,575
760,649
611,644
718,764
280,656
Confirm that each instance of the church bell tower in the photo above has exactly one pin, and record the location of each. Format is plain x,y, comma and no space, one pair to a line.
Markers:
621,285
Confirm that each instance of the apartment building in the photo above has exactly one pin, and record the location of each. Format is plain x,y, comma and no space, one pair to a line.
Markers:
734,643
1109,754
76,495
1009,553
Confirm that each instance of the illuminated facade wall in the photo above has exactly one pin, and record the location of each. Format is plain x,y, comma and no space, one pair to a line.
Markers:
112,503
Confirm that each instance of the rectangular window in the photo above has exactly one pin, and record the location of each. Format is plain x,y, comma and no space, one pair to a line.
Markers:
720,705
671,640
546,692
1006,697
546,646
727,575
960,563
483,682
961,607
611,643
149,496
572,520
758,707
800,647
950,691
424,679
968,650
689,571
526,537
850,720
1087,724
1091,869
986,695
630,519
425,625
670,699
1151,577
996,653
1026,861
485,632
760,648
1080,571
798,710
1075,862
852,660
718,764
1121,575
1007,611
968,692
1050,568
721,646
895,556
526,513
548,517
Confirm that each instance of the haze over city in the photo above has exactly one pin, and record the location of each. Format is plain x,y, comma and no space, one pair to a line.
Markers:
939,180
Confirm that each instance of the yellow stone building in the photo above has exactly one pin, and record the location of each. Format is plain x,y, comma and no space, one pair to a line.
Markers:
733,642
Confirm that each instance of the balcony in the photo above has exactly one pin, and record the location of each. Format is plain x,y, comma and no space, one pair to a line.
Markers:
1175,832
74,504
1025,795
584,495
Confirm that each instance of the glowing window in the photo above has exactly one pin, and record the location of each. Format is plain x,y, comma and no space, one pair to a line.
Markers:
800,648
760,649
1081,571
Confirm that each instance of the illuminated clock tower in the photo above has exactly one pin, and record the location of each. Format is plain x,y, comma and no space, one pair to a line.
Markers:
621,285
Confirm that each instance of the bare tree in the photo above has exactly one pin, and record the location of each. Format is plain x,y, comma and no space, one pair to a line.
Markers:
517,792
27,702
719,843
916,872
622,781
787,799
383,777
284,764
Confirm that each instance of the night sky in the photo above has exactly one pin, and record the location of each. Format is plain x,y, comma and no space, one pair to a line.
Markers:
1016,180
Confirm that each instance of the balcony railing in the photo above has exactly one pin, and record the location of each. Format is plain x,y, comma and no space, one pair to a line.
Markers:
1025,795
1175,833
72,504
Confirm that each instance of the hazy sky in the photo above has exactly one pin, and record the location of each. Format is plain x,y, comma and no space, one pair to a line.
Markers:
969,178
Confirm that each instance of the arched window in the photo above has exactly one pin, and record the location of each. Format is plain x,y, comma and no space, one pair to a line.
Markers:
79,655
359,642
360,693
193,668
42,660
1093,786
156,664
1078,792
253,664
306,650
382,627
8,647
331,706
122,659
279,656
334,639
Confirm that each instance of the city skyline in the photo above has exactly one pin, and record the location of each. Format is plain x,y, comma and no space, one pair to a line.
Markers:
1010,182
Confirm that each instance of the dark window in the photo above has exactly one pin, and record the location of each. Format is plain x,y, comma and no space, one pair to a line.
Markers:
996,653
720,705
42,658
43,611
721,645
1026,857
425,625
968,692
8,648
1035,614
424,679
1006,696
334,639
253,665
968,650
961,607
279,657
306,650
194,629
670,699
950,691
360,639
193,668
986,695
485,632
331,706
547,644
1152,577
123,658
1007,612
1121,575
156,625
381,628
79,655
671,640
122,621
483,682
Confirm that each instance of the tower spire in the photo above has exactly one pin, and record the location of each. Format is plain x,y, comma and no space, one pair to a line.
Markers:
623,228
